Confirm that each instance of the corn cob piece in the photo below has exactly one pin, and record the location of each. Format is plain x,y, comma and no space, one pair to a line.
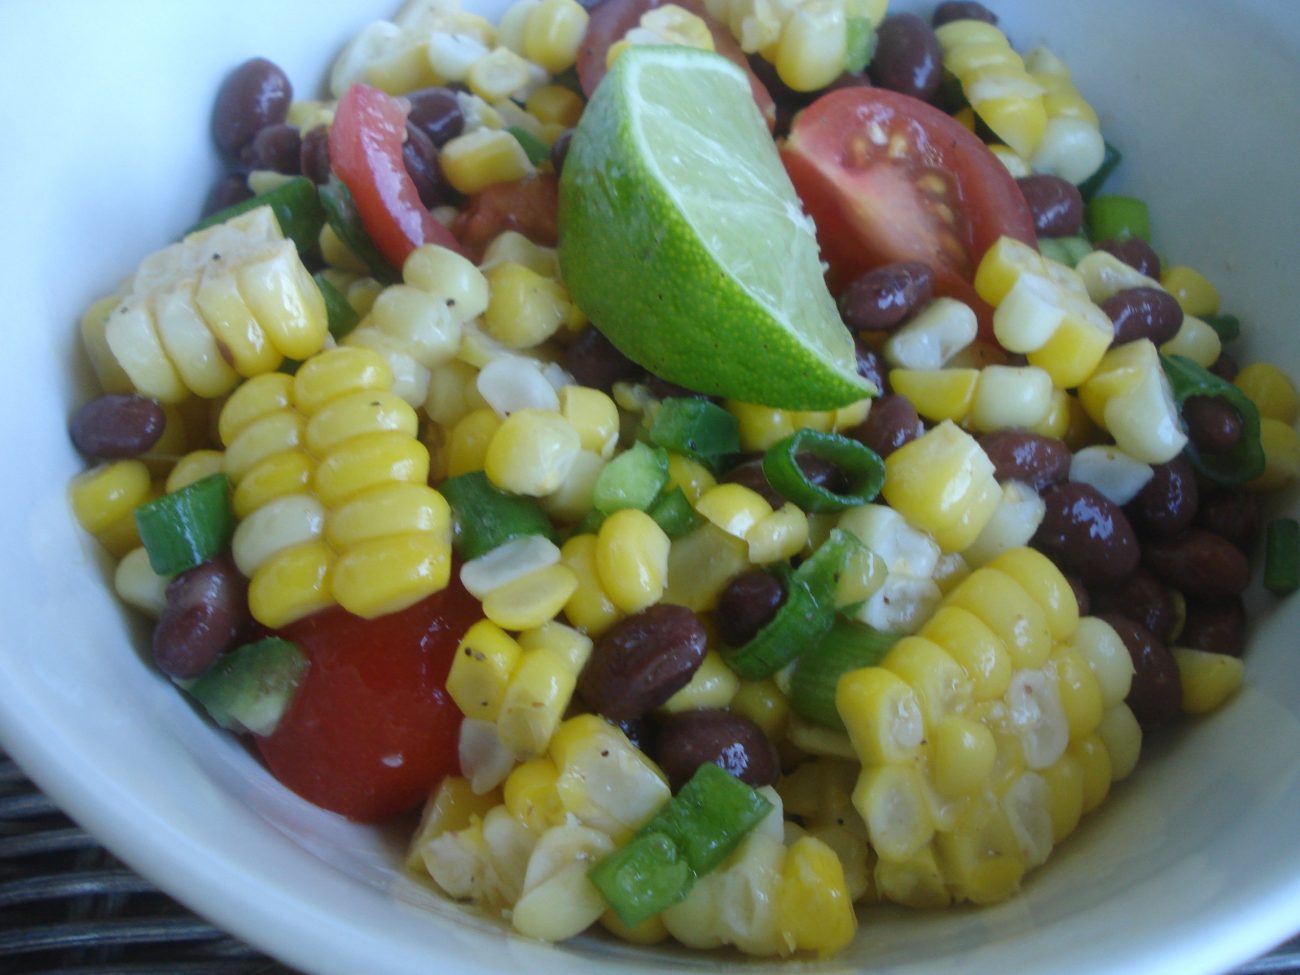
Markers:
993,77
1072,147
226,302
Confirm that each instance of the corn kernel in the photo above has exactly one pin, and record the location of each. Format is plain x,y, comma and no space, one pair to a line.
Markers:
1043,581
1281,455
555,104
1010,612
882,715
468,446
940,683
632,559
109,494
692,477
942,481
764,704
594,415
1092,756
1192,290
1271,390
532,599
712,686
555,29
937,394
383,575
815,909
589,608
1010,396
963,755
481,669
1207,679
291,585
980,652
531,453
1122,736
891,800
474,161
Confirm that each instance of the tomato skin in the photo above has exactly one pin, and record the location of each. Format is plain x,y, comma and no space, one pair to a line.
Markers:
372,728
529,206
611,19
867,206
365,149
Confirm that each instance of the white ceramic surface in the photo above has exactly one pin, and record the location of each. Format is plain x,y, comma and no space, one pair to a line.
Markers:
1194,864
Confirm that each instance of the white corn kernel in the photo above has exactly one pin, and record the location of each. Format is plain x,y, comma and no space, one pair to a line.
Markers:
1114,474
506,563
933,336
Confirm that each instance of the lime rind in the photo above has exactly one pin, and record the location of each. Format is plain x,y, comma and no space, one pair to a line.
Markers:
681,237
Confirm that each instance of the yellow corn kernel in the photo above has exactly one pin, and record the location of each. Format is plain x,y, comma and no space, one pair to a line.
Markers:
980,652
815,909
468,445
555,29
1057,419
112,378
1192,290
1271,390
355,414
383,575
941,685
564,642
555,105
1079,691
632,559
525,308
692,477
1010,612
892,802
700,564
1094,759
292,584
589,608
1010,396
1129,396
531,452
535,700
1281,455
331,374
1011,104
1064,781
476,160
604,781
1197,341
941,481
1076,347
976,869
778,536
1080,431
760,426
451,808
937,394
810,52
1100,646
1122,736
532,599
136,583
764,704
278,475
649,932
915,881
881,714
963,753
529,794
712,686
388,510
1039,576
594,415
1208,679
734,508
107,495
815,739
481,669
194,466
368,461
275,433
1002,265
861,578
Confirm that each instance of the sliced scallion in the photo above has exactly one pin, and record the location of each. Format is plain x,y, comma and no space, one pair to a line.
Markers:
1246,460
1282,557
187,527
861,466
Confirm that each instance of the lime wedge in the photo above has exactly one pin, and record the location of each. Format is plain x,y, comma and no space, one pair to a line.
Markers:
682,239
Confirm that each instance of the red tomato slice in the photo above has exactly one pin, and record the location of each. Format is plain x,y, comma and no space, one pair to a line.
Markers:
529,206
373,729
611,19
365,149
889,178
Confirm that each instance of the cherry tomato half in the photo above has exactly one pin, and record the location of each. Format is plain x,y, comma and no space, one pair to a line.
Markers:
365,149
612,19
889,178
373,729
529,206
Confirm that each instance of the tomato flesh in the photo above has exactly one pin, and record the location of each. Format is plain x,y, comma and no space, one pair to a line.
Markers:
365,149
888,178
528,206
612,19
372,728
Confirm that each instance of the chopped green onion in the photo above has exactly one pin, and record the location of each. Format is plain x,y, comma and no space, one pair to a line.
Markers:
1064,250
187,527
1228,326
1282,557
861,466
673,513
806,615
341,213
689,836
534,148
485,516
818,670
1118,218
1109,162
633,479
340,314
697,428
590,523
297,209
1246,460
250,688
860,44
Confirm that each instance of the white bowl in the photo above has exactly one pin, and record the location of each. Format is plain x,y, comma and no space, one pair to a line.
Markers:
1192,866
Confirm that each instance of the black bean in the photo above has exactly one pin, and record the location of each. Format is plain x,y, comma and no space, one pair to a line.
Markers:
117,425
1167,503
1144,313
1213,424
750,474
256,94
1156,694
661,388
1030,458
687,740
871,366
1215,626
1057,205
436,112
907,58
1198,563
420,157
226,192
593,361
1081,597
1086,533
887,296
275,147
891,422
1142,598
314,159
747,604
1136,253
1225,366
638,732
962,10
560,150
1232,513
206,609
642,661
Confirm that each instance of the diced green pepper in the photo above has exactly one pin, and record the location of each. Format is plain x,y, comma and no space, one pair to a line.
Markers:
297,209
633,479
1118,218
341,316
341,213
250,688
1246,460
673,513
485,516
187,527
1228,326
696,428
534,148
